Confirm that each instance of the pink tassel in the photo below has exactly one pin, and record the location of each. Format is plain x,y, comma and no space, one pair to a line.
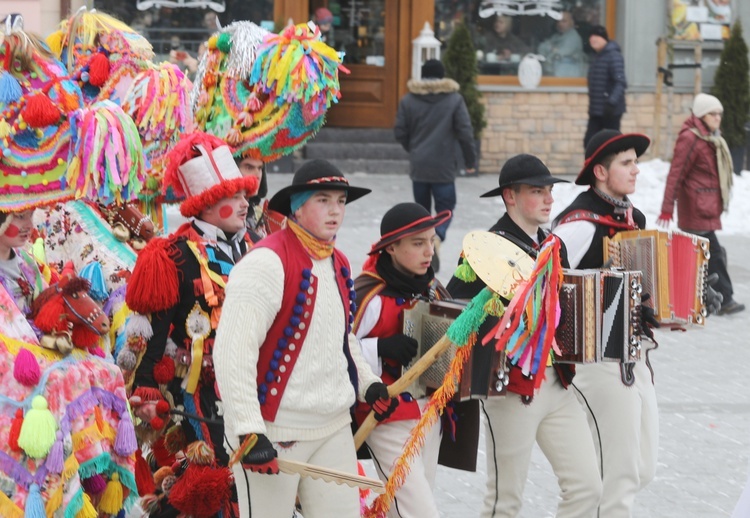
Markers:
125,441
26,369
97,351
55,461
94,484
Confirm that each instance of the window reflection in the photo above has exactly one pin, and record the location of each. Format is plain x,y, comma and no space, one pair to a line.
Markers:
358,30
502,40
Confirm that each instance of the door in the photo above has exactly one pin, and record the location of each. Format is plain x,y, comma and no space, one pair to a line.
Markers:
367,31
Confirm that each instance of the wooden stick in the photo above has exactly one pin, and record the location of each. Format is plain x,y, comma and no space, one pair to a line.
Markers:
401,384
309,470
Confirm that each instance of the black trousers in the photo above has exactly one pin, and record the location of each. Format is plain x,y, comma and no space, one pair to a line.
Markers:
596,124
718,264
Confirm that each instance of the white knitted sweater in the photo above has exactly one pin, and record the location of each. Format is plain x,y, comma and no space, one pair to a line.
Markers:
318,395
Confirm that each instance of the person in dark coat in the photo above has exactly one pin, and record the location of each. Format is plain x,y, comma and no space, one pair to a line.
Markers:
550,416
700,180
607,84
432,119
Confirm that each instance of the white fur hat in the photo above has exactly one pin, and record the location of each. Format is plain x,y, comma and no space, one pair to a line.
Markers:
705,103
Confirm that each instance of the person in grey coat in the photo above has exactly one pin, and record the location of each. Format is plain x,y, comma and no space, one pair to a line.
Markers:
432,119
607,84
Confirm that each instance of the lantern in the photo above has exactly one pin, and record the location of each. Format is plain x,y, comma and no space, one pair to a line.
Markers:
424,47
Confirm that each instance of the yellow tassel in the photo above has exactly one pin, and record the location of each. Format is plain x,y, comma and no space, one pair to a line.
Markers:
8,509
465,272
111,501
4,128
55,43
55,502
494,306
88,510
70,468
38,429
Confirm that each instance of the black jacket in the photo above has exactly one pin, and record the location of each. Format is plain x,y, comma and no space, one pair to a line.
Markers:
607,83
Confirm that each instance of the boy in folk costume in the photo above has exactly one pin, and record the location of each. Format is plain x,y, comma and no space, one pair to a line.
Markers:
551,415
397,273
623,416
179,281
285,364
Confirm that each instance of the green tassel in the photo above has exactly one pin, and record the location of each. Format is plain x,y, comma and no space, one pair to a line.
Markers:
38,429
470,319
224,42
494,306
465,272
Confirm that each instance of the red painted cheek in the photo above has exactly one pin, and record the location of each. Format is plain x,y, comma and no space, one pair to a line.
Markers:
226,212
12,231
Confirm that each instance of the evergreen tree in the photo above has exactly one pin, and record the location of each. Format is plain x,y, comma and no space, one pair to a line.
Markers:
460,61
732,87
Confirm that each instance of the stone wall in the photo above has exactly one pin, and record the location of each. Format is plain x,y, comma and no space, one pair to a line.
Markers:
551,125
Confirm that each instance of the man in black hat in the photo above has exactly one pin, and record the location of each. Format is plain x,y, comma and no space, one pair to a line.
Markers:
432,121
552,417
623,418
396,275
607,84
283,359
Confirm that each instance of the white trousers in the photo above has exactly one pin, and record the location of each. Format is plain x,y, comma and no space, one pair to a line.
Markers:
555,420
414,499
273,496
624,424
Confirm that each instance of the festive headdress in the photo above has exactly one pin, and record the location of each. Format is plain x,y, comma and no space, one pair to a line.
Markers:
315,175
102,53
404,220
265,94
607,142
201,169
35,133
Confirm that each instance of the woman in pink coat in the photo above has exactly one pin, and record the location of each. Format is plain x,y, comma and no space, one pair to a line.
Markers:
700,180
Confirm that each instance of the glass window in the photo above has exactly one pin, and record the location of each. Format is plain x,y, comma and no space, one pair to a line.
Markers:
177,33
357,30
502,38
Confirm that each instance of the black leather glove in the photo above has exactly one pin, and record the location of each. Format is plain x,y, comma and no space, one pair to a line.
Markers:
648,320
609,110
714,299
398,347
262,457
382,404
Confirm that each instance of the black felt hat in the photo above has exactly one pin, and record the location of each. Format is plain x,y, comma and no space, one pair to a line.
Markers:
404,220
315,175
523,170
608,142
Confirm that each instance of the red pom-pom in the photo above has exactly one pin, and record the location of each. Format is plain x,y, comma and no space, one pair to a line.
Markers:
98,69
157,423
143,478
162,407
202,491
40,112
161,454
164,371
154,284
15,431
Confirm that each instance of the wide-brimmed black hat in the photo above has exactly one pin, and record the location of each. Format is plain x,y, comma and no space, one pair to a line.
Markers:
404,220
608,142
523,169
315,175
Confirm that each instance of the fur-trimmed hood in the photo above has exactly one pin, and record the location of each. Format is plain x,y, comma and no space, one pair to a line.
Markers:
432,86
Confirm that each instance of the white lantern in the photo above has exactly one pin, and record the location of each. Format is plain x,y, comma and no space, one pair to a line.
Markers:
424,47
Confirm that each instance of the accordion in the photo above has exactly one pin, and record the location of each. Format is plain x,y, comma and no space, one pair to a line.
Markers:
427,322
674,266
600,317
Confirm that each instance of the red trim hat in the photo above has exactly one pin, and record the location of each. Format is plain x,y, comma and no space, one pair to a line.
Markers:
201,169
608,142
315,175
404,220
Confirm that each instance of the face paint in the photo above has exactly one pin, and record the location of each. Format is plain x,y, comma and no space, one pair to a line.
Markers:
226,212
12,231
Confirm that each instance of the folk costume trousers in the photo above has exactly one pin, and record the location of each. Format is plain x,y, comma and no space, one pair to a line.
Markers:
386,443
555,420
624,423
273,496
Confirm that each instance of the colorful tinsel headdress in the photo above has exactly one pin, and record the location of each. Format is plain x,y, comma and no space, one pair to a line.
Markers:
265,94
102,53
36,99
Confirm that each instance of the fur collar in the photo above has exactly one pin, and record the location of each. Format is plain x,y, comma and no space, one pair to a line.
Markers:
432,86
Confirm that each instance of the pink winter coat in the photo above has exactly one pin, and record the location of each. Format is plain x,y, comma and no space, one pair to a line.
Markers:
694,181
